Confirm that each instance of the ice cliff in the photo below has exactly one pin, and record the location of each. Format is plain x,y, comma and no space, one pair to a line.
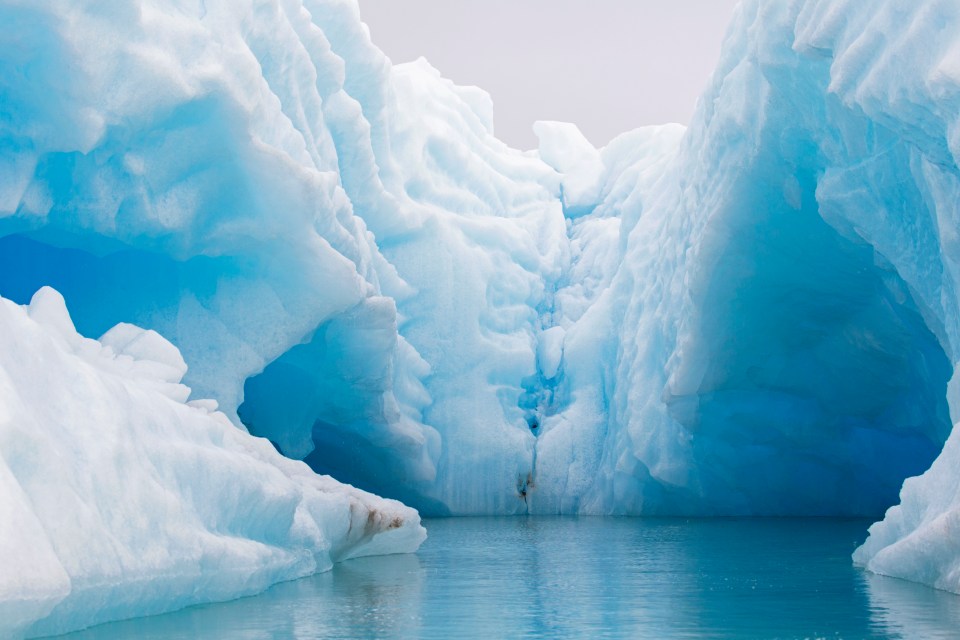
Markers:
781,334
755,315
347,258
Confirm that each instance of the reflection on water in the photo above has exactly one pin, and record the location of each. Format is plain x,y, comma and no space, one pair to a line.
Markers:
587,577
907,610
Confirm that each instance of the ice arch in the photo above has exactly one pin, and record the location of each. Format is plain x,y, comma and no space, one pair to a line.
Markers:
823,305
789,279
815,386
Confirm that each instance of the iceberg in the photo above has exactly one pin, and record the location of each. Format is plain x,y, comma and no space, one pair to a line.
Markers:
776,339
119,499
780,335
752,315
347,257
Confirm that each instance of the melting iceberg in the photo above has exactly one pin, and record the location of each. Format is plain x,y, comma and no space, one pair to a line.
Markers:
754,315
777,338
120,499
781,334
347,257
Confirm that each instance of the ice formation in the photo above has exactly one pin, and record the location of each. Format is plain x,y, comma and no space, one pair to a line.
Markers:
754,315
118,499
777,338
349,260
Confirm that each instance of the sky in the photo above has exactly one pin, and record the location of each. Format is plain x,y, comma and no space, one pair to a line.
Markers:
607,65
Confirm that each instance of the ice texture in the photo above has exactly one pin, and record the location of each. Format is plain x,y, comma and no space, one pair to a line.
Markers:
567,150
349,260
120,500
755,315
776,338
780,336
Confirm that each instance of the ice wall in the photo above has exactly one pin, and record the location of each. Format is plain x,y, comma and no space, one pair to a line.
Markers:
217,171
478,235
780,311
785,315
909,86
756,315
120,500
182,174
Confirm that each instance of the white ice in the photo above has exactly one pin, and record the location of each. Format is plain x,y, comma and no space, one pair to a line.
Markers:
118,500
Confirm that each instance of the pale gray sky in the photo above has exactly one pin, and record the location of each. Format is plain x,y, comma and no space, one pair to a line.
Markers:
607,65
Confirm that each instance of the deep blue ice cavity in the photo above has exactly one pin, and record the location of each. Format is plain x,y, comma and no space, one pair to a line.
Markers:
823,387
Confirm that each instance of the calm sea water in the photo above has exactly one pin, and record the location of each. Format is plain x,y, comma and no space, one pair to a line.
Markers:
542,577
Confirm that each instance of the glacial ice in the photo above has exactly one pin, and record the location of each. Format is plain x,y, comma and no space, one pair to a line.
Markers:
567,150
784,318
347,257
753,315
117,499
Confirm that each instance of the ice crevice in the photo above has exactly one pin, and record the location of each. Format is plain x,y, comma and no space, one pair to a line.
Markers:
583,179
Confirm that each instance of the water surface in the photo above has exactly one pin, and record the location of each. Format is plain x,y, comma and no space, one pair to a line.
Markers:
543,577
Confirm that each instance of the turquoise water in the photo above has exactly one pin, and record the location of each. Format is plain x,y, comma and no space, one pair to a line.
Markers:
544,577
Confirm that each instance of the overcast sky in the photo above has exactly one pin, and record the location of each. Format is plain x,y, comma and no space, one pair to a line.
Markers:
607,65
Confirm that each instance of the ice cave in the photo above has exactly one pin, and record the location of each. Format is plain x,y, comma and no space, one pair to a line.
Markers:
240,248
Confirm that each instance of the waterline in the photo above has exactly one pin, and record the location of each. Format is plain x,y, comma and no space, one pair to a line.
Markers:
547,577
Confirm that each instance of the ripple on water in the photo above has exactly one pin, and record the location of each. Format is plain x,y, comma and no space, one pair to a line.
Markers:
567,577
